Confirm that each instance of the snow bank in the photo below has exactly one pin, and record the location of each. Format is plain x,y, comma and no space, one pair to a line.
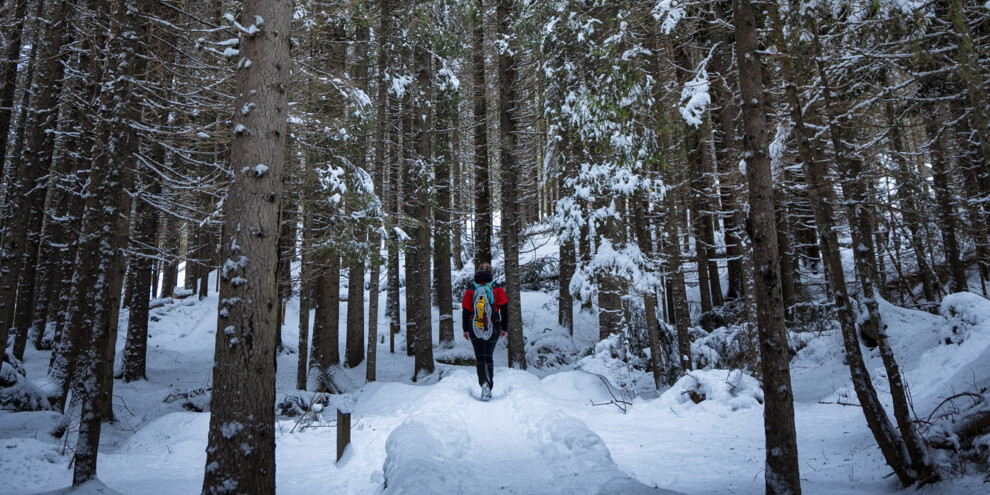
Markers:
17,393
458,354
570,449
968,314
171,433
956,359
93,487
607,361
520,442
719,391
578,386
415,460
550,349
724,347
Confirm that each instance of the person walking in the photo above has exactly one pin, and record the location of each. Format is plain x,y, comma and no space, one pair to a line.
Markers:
484,319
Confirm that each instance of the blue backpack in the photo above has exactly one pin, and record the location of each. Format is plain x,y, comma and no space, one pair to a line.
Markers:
485,315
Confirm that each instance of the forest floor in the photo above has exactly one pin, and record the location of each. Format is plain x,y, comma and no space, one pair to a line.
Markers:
546,431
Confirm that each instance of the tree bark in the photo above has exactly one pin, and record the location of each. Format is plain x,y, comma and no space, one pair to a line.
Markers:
645,243
678,292
326,319
565,301
242,412
973,76
145,222
816,173
305,283
727,154
482,188
511,221
946,209
100,262
12,34
22,213
374,239
441,226
907,192
39,147
418,309
782,473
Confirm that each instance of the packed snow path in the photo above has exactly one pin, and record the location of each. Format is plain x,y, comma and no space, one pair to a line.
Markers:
454,443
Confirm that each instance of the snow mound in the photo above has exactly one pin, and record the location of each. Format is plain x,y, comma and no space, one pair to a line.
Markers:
458,355
721,391
578,386
17,393
607,361
967,314
570,449
724,347
567,445
958,357
415,460
518,443
174,431
552,348
93,487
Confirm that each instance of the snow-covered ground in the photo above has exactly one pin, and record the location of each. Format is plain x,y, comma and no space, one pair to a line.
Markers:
545,431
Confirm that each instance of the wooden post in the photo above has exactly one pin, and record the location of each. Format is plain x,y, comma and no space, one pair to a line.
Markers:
343,432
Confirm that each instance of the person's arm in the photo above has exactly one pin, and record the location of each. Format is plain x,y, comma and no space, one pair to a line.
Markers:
502,302
466,317
467,313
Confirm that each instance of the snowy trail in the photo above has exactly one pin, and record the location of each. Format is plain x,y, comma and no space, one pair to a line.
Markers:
518,443
536,436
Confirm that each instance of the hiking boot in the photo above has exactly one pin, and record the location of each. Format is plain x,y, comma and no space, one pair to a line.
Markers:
486,392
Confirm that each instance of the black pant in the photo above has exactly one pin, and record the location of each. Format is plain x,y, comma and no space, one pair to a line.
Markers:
483,355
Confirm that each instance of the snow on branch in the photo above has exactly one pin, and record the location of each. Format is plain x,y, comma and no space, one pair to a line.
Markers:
695,94
670,13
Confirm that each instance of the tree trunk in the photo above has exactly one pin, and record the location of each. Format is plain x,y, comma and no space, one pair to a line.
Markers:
170,246
441,228
645,242
907,193
12,34
694,151
326,320
241,447
727,156
973,76
946,209
677,290
482,188
100,262
781,472
565,301
381,110
305,282
61,365
457,191
22,213
354,347
511,221
283,268
418,310
784,245
39,147
816,173
145,224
